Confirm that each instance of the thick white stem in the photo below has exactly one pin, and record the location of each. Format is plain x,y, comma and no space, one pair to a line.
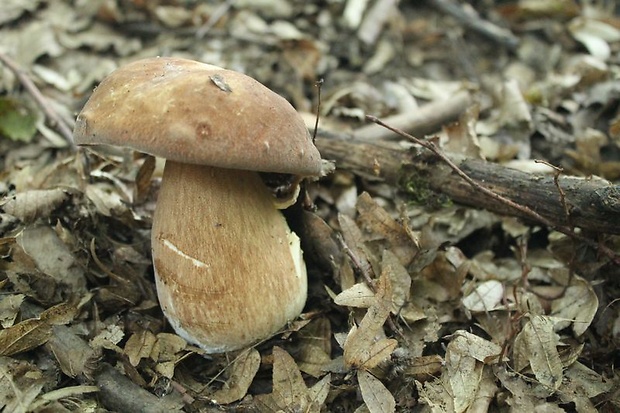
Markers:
229,272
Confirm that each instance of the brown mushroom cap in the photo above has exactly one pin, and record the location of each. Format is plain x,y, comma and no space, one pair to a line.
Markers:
192,112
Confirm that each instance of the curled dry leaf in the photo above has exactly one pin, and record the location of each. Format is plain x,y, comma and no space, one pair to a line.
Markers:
240,377
377,397
487,296
31,205
576,307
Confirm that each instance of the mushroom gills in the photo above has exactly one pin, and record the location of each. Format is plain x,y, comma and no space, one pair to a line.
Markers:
228,269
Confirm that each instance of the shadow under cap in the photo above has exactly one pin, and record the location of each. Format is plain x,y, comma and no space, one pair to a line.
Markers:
192,112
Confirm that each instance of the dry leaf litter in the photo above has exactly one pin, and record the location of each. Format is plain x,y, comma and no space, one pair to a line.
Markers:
411,308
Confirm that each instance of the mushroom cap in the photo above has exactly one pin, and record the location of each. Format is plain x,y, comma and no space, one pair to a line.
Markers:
197,113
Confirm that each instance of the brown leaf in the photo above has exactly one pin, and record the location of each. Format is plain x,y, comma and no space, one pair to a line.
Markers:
377,397
540,340
74,355
366,346
31,205
355,243
139,346
9,308
379,224
24,336
577,306
289,390
240,378
34,332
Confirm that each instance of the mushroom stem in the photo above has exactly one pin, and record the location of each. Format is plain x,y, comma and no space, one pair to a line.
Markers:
228,269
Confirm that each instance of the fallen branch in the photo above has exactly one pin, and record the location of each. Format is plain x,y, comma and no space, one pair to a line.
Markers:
593,204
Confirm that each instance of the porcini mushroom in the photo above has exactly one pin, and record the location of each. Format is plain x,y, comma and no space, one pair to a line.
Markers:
228,269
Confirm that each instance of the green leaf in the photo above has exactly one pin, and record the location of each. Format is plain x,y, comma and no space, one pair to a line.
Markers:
17,122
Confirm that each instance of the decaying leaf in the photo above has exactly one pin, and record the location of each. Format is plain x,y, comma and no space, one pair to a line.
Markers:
537,343
33,332
366,346
377,397
17,121
20,384
358,296
576,307
463,373
139,346
289,390
75,357
400,280
477,347
52,256
31,205
9,308
240,377
378,224
355,243
487,296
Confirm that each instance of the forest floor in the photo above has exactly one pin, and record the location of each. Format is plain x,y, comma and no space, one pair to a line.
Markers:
427,292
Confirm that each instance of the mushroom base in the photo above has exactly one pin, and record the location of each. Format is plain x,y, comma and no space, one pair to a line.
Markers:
229,271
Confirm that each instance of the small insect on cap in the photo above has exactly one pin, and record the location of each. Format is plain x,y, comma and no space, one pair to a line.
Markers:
192,112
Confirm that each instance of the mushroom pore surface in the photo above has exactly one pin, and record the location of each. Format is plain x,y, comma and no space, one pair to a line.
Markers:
229,271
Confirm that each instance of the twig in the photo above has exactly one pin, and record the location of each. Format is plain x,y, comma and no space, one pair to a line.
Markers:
375,19
54,119
475,22
215,17
426,119
524,210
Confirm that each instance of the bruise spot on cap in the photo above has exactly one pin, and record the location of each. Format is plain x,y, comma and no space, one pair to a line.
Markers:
203,130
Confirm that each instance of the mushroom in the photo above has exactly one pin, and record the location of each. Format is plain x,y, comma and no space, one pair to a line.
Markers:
229,272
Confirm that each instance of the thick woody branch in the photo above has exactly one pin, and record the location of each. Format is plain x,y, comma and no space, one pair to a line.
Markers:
593,204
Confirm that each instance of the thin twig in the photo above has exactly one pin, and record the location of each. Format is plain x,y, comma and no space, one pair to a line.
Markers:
471,19
53,117
524,210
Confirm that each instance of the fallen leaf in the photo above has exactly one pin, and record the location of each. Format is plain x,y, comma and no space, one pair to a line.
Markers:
377,397
400,280
487,296
463,373
576,307
9,308
35,204
539,338
366,346
358,296
240,378
289,390
379,224
139,346
34,332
